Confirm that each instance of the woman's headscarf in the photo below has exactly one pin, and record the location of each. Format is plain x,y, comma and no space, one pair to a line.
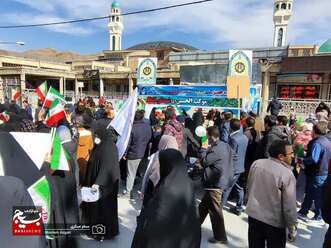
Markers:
153,169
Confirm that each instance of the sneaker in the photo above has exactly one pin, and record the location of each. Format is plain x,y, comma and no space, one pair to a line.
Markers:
215,241
303,217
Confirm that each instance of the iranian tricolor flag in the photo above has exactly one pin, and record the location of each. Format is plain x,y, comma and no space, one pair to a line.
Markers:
51,95
59,159
4,116
55,113
42,91
15,95
41,196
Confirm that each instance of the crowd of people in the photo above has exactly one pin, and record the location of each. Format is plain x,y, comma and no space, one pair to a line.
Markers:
254,162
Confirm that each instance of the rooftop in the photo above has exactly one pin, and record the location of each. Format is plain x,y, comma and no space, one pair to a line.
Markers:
162,45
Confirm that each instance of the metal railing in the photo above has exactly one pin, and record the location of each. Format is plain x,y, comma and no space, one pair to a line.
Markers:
301,107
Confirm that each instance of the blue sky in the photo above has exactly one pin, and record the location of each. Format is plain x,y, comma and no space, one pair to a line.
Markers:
217,25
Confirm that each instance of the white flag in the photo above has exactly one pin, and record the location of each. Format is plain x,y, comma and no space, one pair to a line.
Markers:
36,145
123,121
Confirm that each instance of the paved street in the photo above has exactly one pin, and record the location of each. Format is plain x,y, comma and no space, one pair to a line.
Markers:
236,228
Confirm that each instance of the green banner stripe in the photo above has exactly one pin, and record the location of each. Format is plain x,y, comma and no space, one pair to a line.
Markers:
43,190
55,162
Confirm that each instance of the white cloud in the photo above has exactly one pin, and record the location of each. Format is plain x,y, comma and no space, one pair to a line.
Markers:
311,21
11,47
33,19
42,5
241,23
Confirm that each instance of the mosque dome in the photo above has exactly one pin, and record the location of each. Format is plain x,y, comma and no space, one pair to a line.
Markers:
162,45
115,5
325,47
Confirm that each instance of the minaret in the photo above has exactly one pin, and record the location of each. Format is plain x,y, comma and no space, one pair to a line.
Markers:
282,15
115,26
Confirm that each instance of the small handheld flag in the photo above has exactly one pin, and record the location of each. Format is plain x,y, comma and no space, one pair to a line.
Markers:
55,113
52,94
42,91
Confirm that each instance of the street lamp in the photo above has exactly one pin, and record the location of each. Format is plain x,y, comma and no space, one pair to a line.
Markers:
20,43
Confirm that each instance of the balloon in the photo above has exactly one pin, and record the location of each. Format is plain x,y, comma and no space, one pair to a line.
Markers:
201,131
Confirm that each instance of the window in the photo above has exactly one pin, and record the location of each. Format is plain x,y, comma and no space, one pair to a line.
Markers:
277,7
280,37
295,53
118,88
289,6
283,5
117,19
126,88
113,43
306,52
298,91
96,85
160,55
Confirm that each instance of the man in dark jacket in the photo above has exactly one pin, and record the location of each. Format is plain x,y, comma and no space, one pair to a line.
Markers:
326,210
218,162
272,133
284,128
225,127
274,106
316,165
141,134
238,142
28,109
253,139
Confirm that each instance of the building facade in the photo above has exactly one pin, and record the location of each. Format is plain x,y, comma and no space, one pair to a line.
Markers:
304,79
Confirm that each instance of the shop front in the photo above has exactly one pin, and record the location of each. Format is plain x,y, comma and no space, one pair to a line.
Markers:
299,86
303,82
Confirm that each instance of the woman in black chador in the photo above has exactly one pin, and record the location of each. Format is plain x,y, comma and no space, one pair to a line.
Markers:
170,217
103,173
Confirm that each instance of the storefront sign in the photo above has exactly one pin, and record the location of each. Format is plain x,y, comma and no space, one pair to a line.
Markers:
91,74
147,69
300,78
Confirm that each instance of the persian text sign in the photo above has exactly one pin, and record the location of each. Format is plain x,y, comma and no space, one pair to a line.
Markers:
146,72
192,101
183,91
